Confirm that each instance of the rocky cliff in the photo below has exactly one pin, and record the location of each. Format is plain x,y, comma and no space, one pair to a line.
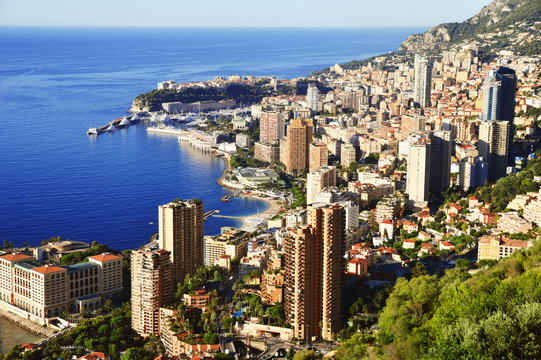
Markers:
506,19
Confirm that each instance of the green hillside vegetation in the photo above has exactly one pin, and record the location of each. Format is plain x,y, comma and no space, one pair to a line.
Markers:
246,94
493,314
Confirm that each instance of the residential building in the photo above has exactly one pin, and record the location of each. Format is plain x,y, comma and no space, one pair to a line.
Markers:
319,156
272,126
440,161
181,233
388,208
348,154
199,299
272,284
312,97
494,247
494,147
299,137
512,223
314,273
423,81
328,223
318,180
473,172
243,141
302,292
151,288
418,177
267,152
232,242
358,267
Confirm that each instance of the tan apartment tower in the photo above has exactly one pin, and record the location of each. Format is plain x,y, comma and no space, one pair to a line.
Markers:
181,233
299,136
319,156
328,223
314,273
302,293
151,288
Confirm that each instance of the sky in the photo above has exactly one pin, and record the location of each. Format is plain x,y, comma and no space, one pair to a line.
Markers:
237,13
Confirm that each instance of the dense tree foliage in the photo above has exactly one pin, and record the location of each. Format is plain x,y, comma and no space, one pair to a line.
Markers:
493,314
110,334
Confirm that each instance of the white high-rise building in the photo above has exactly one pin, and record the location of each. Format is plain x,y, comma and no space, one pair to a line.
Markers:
418,171
318,180
423,80
312,97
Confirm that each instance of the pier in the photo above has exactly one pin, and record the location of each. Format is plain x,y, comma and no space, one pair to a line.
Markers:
113,125
210,213
229,217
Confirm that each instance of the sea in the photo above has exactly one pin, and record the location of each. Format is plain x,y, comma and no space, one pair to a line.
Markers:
55,83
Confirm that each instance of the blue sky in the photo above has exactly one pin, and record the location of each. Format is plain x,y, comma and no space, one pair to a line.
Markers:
304,13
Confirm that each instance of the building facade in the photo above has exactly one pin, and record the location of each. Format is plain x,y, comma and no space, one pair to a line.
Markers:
181,233
45,291
151,288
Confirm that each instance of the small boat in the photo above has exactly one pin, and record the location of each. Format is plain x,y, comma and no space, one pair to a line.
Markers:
110,128
134,118
92,131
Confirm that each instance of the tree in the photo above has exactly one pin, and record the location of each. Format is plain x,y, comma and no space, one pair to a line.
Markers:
210,338
418,270
306,355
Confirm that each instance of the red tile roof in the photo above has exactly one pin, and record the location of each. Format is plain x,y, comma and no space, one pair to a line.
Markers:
105,257
15,257
48,269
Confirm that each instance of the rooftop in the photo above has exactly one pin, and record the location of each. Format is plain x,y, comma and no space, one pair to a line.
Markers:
15,257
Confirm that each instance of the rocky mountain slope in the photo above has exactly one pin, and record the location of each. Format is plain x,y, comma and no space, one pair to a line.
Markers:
502,25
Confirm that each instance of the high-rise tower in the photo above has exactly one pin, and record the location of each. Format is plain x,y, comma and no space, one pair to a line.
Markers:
181,233
494,146
151,288
499,95
299,136
314,276
423,79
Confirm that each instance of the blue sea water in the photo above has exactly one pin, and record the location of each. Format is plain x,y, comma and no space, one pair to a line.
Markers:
55,83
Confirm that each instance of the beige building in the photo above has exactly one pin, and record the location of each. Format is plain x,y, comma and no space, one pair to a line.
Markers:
319,156
493,247
181,233
387,208
318,180
151,288
44,291
272,284
513,224
232,242
314,273
299,136
348,154
302,292
267,152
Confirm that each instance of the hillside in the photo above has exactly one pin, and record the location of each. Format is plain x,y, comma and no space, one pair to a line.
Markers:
512,25
502,25
492,314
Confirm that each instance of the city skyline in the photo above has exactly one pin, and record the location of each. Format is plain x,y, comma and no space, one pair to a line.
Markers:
239,13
